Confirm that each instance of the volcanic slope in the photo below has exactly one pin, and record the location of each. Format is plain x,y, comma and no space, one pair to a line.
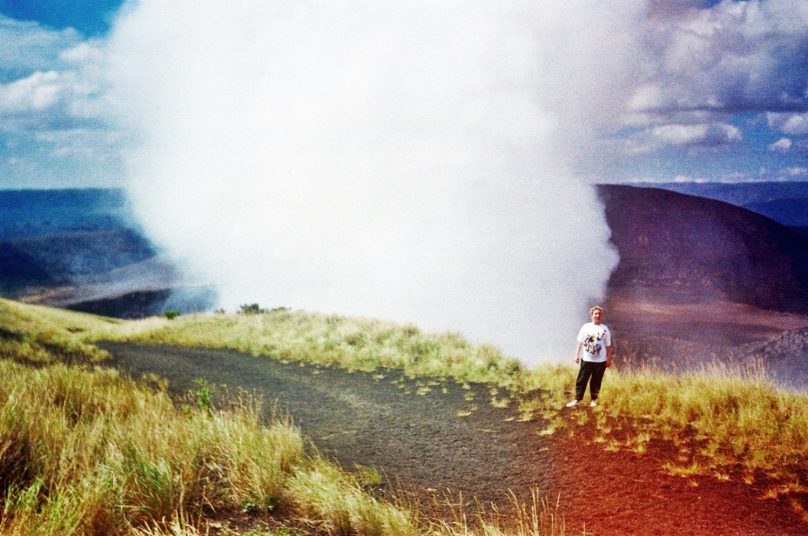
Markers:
700,279
81,249
436,440
685,249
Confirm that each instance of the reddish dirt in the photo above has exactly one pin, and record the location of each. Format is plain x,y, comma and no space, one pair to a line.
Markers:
628,493
690,336
716,322
426,450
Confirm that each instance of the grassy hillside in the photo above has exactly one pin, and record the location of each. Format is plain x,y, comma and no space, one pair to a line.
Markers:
735,416
40,335
85,451
67,430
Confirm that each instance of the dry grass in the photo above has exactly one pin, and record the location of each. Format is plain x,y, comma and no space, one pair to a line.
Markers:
85,451
741,417
738,414
140,479
90,452
42,335
354,344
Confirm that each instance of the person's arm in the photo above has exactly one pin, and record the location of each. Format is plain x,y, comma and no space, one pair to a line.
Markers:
578,353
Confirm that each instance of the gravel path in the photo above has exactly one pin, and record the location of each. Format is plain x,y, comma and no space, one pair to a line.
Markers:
423,443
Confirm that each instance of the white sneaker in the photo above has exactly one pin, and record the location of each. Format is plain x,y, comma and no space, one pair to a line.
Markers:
572,403
593,404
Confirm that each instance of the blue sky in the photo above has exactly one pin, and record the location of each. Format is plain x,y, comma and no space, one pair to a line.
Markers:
90,17
721,94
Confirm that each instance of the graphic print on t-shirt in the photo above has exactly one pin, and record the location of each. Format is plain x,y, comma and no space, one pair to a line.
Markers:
592,343
594,339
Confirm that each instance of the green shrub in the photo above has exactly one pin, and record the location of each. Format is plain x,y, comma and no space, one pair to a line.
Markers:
251,309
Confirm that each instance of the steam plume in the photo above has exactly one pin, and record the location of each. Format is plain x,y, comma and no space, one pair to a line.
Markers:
402,160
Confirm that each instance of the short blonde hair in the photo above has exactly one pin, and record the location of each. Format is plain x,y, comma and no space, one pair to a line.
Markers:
595,308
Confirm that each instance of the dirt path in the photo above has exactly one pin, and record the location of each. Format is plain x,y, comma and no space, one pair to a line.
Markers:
417,441
440,442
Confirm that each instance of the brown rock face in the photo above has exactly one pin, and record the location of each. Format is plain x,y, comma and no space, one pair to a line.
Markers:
702,281
676,248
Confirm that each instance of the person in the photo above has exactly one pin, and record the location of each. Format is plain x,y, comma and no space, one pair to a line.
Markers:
594,352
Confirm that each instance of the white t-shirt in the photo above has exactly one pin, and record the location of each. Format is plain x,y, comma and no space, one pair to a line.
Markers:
594,339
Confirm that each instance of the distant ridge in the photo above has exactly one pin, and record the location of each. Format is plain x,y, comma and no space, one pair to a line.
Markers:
78,249
673,247
31,213
19,270
784,201
82,249
681,248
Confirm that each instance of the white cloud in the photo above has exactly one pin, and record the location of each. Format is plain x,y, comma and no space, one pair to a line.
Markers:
793,146
781,146
797,171
703,135
34,93
27,46
54,126
686,179
648,96
51,99
696,137
794,124
701,65
52,78
723,59
83,53
667,67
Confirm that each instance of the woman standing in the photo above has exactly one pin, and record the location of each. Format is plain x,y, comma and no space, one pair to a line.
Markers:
595,343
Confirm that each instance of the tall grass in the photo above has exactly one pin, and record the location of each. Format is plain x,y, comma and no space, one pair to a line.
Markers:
41,335
90,452
741,417
335,499
357,344
738,417
85,451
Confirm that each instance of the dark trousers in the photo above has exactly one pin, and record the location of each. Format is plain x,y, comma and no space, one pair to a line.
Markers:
589,370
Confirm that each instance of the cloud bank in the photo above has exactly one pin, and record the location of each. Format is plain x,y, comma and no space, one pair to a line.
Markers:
702,65
728,58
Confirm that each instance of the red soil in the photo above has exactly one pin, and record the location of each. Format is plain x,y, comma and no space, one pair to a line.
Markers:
624,492
722,323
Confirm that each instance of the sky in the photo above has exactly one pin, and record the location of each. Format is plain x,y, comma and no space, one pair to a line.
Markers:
719,92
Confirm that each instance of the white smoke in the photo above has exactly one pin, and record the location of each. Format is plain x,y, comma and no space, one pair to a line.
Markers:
403,160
